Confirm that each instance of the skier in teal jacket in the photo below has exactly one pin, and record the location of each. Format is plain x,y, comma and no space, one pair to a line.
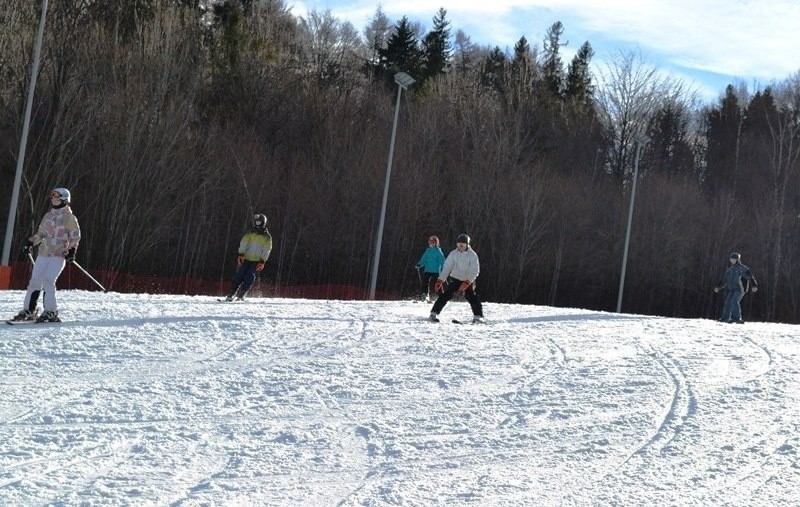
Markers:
429,266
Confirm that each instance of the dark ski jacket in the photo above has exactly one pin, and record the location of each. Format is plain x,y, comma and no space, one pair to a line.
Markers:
736,277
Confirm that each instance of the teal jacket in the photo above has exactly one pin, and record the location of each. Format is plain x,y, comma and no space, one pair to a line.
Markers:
432,260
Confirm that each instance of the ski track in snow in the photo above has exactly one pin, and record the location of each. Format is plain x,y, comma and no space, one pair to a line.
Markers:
183,401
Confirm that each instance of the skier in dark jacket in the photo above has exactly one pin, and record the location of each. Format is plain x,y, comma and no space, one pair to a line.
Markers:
735,280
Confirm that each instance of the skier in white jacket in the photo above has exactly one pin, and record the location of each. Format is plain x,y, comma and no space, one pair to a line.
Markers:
461,268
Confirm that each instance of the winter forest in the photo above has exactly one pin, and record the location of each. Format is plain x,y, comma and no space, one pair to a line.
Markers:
173,123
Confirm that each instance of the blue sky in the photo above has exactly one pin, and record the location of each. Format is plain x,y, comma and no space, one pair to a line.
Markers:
705,43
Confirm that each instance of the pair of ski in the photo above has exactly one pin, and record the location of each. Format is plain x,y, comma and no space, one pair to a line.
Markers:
456,321
13,322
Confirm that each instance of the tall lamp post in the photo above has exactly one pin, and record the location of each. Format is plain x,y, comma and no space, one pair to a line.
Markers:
641,140
12,209
403,81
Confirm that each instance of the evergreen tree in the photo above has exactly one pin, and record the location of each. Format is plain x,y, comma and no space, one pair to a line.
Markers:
493,71
579,87
754,180
436,47
523,72
670,152
723,135
553,67
402,52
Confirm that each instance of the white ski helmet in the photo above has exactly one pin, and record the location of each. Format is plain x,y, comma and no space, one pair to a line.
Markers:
62,194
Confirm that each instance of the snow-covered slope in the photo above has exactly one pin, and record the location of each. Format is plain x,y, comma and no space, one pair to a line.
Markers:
177,400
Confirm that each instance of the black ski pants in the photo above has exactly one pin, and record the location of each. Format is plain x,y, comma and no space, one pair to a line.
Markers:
449,291
243,279
428,280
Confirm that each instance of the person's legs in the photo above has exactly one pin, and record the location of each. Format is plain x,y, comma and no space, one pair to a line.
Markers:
423,283
34,301
445,296
35,283
731,310
474,301
248,277
428,282
736,307
236,281
53,268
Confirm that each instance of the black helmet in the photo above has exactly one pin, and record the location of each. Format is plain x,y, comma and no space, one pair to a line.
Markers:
260,222
462,238
736,255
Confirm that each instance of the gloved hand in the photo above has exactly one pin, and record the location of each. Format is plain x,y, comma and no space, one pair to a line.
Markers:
464,286
260,266
437,286
716,289
26,249
70,255
754,289
240,260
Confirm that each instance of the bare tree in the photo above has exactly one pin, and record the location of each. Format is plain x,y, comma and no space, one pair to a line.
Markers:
629,93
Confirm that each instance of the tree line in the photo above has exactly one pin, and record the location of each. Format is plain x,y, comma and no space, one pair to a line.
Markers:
173,122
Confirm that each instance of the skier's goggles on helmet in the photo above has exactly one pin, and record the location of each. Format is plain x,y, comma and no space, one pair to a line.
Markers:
431,240
55,194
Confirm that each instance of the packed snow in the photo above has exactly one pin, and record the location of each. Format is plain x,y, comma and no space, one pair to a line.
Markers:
141,399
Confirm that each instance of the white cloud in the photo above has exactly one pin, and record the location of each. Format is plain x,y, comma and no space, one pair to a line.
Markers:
735,39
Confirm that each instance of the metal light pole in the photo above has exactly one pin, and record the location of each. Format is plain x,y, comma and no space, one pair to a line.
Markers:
12,209
403,81
641,140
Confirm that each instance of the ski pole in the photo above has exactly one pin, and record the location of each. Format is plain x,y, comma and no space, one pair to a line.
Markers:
90,276
30,258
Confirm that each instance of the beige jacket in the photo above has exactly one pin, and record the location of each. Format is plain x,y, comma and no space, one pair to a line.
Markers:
58,232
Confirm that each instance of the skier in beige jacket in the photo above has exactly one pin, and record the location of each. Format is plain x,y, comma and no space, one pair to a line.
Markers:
57,238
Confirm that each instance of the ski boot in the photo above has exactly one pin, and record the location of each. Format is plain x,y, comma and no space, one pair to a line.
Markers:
433,317
478,319
25,315
48,316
